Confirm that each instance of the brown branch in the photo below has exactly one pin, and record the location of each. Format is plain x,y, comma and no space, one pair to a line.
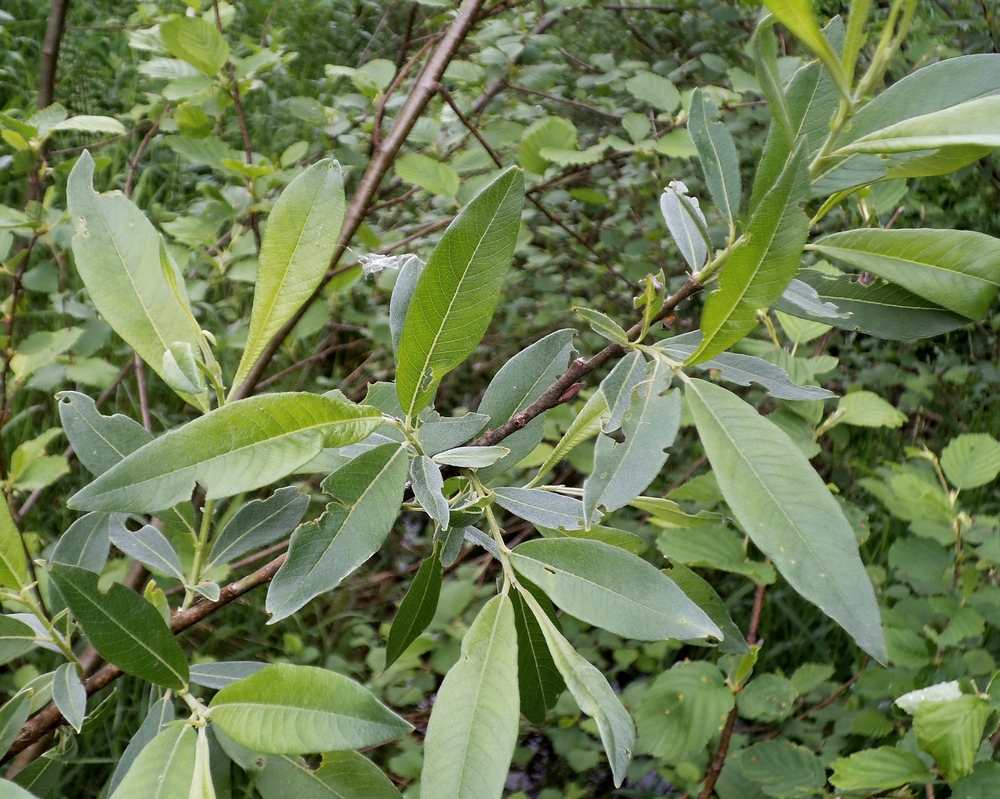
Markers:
50,53
573,103
133,164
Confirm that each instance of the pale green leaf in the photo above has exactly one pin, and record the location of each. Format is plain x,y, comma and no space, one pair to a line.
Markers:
585,425
416,610
670,514
197,41
630,542
239,447
787,511
458,290
592,693
301,235
654,90
956,269
202,786
867,409
427,173
341,775
164,768
718,156
473,726
428,484
117,253
437,433
713,547
41,349
155,722
257,524
86,123
11,790
603,325
85,543
880,769
545,508
686,223
69,695
99,441
123,627
951,732
971,460
761,266
798,16
286,709
150,547
553,132
368,496
13,562
16,638
402,292
471,457
606,586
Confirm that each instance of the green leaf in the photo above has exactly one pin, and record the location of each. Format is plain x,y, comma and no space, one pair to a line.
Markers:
197,41
630,542
783,769
705,597
86,123
592,693
867,409
123,627
951,732
673,515
41,349
99,441
12,717
69,695
85,543
982,783
428,485
117,253
427,173
257,524
544,508
552,132
16,638
402,292
606,586
471,457
761,266
164,768
718,156
765,53
437,434
150,547
368,496
881,309
654,90
286,709
603,325
11,790
686,223
301,235
458,291
971,460
623,470
416,610
341,775
473,726
786,510
13,563
683,709
585,425
239,447
880,769
538,680
768,698
714,547
798,16
956,269
224,673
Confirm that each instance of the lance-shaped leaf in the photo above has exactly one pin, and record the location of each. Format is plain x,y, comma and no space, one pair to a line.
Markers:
718,156
761,266
295,710
473,726
700,592
150,547
428,484
800,18
611,588
686,223
368,496
416,610
458,290
164,768
99,441
955,269
69,695
117,253
618,386
402,293
622,470
341,775
587,424
12,717
787,511
592,693
13,563
85,543
301,235
223,673
123,627
259,523
239,447
16,638
542,508
539,682
156,721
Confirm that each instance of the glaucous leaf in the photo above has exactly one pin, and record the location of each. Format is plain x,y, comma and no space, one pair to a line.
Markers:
99,441
164,768
341,775
416,610
473,726
123,627
585,425
219,675
544,508
717,153
458,290
606,586
471,457
287,709
258,523
603,325
427,483
85,543
618,386
239,447
686,223
704,596
402,293
971,460
787,511
16,638
299,240
69,695
439,433
150,547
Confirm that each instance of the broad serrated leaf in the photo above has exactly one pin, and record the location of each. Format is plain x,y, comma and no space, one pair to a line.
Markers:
539,683
783,769
117,253
301,235
257,524
473,726
592,693
428,484
123,627
951,733
544,508
239,447
686,223
286,709
867,409
787,511
717,153
427,173
341,775
606,586
880,769
89,123
458,290
761,266
99,441
654,90
971,460
13,562
69,695
955,269
164,768
322,553
623,469
713,547
416,610
549,132
197,41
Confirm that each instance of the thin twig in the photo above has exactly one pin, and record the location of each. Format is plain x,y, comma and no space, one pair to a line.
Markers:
133,163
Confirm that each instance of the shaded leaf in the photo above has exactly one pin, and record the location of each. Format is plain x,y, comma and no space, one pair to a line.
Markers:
428,484
257,524
705,597
544,508
549,132
16,638
12,717
164,768
85,543
156,720
655,90
538,680
150,547
714,547
13,563
416,610
783,769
